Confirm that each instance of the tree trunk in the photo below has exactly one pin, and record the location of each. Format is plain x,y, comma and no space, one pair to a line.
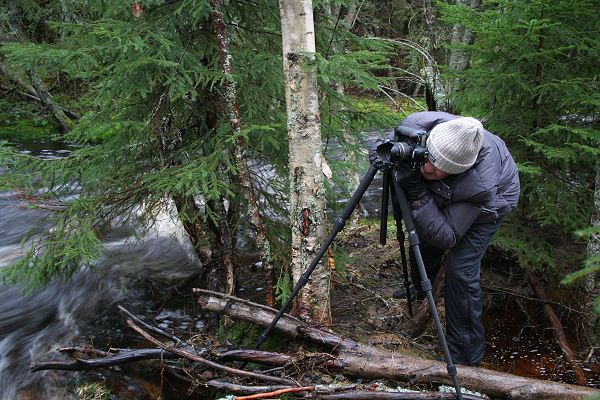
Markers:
458,59
435,95
168,142
351,158
592,280
46,98
366,361
307,193
239,150
11,76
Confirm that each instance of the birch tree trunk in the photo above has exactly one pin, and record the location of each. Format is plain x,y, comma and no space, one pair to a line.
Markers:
459,60
239,151
435,94
307,193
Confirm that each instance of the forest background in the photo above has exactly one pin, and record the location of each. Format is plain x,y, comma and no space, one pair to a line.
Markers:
175,104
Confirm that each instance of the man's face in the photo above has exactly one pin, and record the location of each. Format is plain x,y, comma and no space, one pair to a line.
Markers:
431,173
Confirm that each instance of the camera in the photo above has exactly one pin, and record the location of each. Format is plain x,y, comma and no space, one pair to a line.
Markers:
409,144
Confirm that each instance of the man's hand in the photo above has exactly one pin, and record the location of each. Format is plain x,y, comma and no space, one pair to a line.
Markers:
373,158
414,185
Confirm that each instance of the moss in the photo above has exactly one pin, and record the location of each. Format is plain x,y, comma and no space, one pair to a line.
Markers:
21,121
245,334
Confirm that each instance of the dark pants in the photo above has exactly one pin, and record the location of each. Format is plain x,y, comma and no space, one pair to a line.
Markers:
462,290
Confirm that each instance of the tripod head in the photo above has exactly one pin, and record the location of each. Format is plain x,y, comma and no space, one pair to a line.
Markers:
409,144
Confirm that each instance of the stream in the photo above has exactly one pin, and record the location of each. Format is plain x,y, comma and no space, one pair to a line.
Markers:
34,326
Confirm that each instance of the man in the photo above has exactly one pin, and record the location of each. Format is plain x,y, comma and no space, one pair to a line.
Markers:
468,183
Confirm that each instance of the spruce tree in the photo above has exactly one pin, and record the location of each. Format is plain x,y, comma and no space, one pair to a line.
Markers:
533,80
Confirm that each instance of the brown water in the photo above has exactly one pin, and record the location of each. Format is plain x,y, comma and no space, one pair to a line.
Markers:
517,346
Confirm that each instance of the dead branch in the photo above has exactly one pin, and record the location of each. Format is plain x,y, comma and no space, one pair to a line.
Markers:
559,333
276,393
255,356
48,101
149,327
422,318
366,361
34,97
123,357
193,357
236,388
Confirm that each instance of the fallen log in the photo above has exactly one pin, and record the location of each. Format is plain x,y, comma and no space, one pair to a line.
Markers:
65,123
363,360
336,392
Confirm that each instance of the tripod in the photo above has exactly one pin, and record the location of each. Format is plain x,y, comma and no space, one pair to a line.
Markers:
401,212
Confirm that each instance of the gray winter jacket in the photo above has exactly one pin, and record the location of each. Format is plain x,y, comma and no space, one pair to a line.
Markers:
483,193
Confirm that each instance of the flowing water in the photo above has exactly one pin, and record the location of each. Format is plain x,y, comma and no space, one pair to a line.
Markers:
33,326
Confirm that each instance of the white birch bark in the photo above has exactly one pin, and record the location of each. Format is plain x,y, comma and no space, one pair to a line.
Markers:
459,60
307,193
438,100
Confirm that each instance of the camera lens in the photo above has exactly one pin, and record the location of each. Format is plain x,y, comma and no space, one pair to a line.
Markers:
391,152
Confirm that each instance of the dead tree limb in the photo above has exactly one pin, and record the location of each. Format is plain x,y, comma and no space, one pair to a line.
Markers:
122,357
417,325
46,98
10,75
149,327
276,393
193,357
242,389
336,392
71,114
559,333
366,361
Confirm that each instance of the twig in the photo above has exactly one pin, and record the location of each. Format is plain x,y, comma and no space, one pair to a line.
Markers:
149,327
276,393
516,294
206,362
372,292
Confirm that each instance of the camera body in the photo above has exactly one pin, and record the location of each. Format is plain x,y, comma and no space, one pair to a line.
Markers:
409,144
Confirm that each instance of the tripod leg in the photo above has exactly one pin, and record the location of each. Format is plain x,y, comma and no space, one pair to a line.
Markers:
339,225
385,196
401,240
413,240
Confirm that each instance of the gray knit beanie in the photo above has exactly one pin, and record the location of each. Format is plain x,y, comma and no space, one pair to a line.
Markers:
453,145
